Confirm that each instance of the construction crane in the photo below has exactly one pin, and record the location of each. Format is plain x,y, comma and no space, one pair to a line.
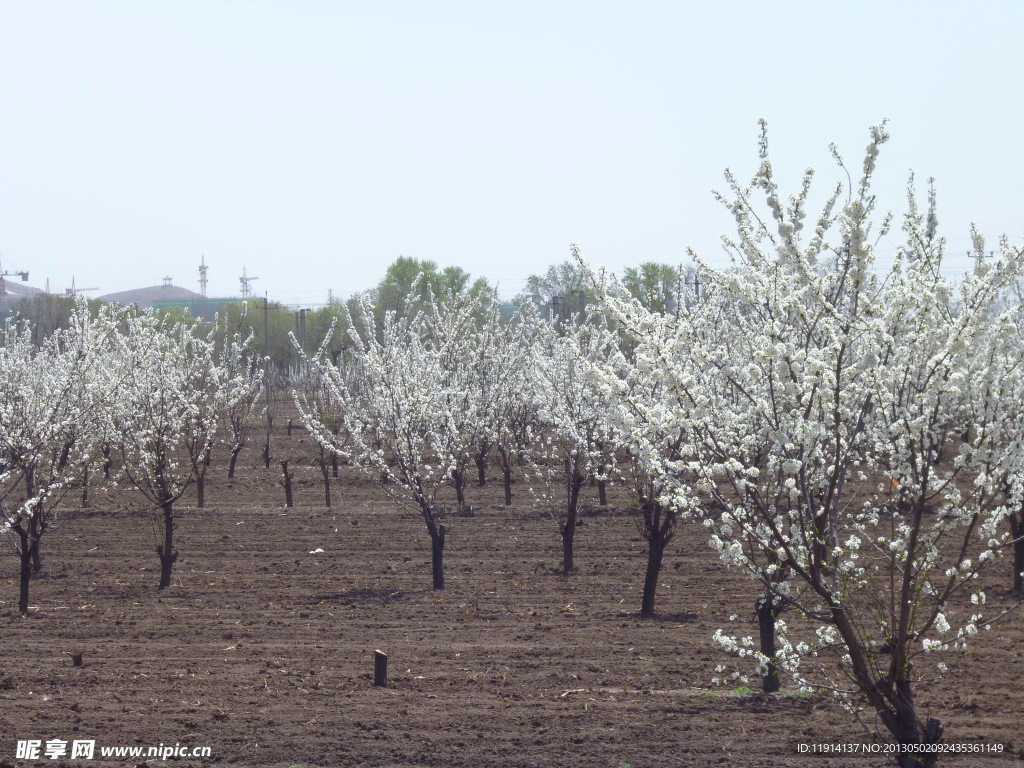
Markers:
246,282
73,292
4,273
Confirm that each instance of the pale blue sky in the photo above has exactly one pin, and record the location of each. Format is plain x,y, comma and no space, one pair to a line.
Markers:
313,142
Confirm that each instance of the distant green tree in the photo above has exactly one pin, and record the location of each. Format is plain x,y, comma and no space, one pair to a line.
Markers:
175,314
456,284
659,287
47,312
451,282
564,279
280,321
320,321
405,276
422,278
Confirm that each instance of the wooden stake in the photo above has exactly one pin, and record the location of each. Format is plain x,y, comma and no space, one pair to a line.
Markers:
380,668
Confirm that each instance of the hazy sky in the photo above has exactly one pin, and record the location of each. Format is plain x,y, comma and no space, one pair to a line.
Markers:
314,142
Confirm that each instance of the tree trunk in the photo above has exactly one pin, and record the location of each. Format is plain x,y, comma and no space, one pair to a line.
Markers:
481,469
568,533
26,578
574,482
287,484
506,472
26,545
201,489
907,731
460,488
266,445
85,485
437,537
602,493
105,450
327,479
168,554
655,552
334,465
34,534
900,718
1017,528
33,523
767,609
235,450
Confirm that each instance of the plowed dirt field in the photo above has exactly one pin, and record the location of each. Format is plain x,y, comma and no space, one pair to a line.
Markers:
262,650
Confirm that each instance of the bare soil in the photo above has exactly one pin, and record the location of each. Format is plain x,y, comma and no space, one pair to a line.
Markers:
263,651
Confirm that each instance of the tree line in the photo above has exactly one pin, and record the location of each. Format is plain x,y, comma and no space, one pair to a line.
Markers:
656,285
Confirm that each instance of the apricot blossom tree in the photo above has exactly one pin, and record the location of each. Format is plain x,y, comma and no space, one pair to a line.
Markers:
167,413
408,415
54,398
575,440
830,442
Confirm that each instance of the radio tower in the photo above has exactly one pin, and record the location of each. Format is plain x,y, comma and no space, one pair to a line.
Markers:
202,275
246,282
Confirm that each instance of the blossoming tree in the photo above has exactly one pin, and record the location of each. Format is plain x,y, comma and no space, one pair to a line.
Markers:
168,413
576,440
826,441
54,398
514,419
246,376
393,394
644,406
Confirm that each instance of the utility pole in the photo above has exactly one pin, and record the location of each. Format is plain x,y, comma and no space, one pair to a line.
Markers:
266,348
266,377
300,333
